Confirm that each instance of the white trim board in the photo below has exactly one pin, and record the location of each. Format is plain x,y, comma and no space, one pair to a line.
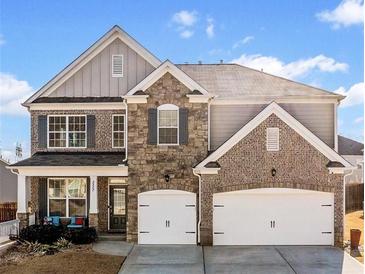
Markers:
65,171
259,100
165,67
274,108
115,33
77,106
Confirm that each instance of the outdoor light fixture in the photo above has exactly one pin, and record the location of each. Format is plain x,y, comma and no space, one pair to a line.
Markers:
273,172
167,178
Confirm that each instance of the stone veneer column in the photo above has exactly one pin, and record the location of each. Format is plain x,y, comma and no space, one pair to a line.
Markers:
206,226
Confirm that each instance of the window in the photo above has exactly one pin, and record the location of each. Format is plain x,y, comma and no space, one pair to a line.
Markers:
118,131
67,131
117,65
272,139
67,197
168,124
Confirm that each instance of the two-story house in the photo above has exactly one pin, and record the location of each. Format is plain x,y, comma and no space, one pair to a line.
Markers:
183,154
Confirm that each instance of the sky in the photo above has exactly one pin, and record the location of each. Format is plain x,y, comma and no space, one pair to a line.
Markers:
320,43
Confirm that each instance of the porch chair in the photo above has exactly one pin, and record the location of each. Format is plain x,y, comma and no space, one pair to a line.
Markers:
76,222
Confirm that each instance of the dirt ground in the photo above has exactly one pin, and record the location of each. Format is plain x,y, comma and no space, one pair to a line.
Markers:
355,220
75,260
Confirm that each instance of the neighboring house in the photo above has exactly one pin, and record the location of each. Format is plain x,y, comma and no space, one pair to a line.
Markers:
353,152
184,154
8,184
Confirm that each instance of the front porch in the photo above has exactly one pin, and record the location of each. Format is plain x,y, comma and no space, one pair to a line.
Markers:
97,193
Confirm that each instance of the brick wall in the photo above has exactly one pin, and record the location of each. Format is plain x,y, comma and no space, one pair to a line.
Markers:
103,129
248,165
149,163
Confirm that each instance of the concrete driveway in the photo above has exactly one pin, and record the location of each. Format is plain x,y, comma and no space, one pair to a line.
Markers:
239,259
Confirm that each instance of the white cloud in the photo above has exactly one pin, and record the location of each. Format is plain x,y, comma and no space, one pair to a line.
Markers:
354,95
185,18
2,40
186,34
347,13
359,120
185,21
13,92
290,70
243,41
210,27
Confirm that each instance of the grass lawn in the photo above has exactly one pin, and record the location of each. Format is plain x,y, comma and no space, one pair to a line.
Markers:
74,260
355,220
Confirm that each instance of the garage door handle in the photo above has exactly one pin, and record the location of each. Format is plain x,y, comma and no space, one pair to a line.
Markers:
190,232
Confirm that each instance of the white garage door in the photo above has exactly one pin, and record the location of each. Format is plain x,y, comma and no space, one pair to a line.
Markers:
167,217
273,216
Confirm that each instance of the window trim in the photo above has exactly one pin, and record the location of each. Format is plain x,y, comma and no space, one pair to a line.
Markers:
67,130
116,75
168,107
66,198
124,130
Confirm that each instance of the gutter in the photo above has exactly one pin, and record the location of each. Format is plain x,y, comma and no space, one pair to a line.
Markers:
199,203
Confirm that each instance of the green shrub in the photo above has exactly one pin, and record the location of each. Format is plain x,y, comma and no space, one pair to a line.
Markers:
84,235
44,234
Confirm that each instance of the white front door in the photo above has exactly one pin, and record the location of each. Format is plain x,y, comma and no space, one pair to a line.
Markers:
273,216
167,217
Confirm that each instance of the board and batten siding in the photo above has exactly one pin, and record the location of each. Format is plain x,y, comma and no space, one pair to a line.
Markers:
226,120
95,78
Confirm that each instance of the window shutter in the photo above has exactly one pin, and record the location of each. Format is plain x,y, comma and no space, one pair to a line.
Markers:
152,126
42,131
117,66
183,126
42,199
272,139
90,131
88,195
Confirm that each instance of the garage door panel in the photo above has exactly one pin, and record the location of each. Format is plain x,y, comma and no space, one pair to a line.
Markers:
167,217
282,217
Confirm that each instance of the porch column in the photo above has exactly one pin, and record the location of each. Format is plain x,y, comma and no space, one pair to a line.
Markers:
22,204
93,210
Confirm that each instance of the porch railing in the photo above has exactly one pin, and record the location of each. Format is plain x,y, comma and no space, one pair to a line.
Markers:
7,228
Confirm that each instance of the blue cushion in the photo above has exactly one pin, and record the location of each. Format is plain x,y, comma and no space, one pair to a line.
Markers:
74,226
56,220
73,221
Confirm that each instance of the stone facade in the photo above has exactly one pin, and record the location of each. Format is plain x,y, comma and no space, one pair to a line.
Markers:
103,129
248,165
149,163
103,204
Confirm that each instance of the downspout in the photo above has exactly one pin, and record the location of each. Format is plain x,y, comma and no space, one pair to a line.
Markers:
126,130
344,197
199,202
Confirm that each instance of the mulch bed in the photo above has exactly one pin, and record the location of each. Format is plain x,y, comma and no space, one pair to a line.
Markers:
78,259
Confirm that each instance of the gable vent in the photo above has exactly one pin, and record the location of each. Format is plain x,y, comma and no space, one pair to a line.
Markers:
117,65
272,139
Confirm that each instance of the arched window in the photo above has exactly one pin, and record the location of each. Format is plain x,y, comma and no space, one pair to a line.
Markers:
168,124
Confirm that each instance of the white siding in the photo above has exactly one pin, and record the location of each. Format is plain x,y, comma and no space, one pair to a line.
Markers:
95,78
226,120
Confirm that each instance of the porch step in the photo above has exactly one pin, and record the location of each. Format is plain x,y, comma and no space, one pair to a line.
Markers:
111,237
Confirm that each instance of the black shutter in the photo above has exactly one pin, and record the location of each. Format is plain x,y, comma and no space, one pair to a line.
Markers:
91,131
183,126
88,196
152,126
42,199
42,131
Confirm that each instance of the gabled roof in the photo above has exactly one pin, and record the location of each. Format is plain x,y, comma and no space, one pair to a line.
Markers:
232,81
114,33
165,67
274,108
347,146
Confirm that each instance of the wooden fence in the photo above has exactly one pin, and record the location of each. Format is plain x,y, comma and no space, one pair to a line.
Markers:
7,212
354,197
